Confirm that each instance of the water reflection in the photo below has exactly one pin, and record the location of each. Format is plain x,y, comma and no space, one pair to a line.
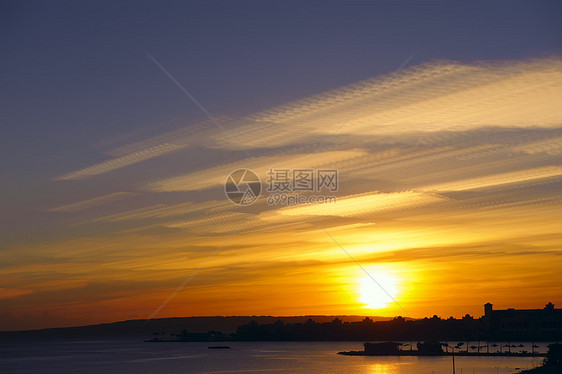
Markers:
116,357
443,365
385,368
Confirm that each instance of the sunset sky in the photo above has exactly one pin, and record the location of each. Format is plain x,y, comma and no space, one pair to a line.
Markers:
121,122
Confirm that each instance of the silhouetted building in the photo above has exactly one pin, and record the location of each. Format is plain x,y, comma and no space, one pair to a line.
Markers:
524,324
430,348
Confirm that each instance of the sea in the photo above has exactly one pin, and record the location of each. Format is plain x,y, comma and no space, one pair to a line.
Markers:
26,355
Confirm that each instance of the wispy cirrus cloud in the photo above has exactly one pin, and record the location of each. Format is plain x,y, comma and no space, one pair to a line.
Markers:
165,211
96,201
216,176
9,293
431,97
499,179
366,203
119,162
438,96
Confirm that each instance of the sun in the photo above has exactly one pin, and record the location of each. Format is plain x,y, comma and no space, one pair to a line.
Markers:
377,290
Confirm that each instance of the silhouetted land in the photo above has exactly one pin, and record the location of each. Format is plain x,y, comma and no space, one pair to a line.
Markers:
509,325
397,329
166,326
366,329
552,363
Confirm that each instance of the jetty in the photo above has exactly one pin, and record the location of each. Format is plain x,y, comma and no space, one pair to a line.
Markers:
431,348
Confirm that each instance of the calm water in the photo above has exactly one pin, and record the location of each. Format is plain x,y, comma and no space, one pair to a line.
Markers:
111,356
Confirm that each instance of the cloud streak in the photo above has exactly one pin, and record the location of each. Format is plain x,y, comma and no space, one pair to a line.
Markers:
431,97
90,203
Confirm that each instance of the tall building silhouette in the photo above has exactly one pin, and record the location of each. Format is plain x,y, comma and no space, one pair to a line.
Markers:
524,324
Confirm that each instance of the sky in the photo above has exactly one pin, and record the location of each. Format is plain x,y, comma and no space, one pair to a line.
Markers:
121,122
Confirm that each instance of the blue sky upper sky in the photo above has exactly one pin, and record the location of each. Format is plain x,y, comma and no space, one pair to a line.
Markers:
105,162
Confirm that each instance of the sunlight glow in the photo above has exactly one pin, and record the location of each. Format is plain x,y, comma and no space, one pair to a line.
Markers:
372,295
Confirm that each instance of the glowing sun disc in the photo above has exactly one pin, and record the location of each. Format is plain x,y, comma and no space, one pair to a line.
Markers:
373,295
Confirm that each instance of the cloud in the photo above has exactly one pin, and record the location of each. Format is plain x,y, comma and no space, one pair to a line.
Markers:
437,96
551,147
431,97
90,203
9,293
499,179
166,210
217,175
119,162
357,205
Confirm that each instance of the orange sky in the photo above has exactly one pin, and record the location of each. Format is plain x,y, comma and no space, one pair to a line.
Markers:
449,197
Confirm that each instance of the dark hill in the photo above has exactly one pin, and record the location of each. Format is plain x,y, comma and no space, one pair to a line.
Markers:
146,328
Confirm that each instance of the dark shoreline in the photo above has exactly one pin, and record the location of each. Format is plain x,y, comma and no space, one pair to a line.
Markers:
464,354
